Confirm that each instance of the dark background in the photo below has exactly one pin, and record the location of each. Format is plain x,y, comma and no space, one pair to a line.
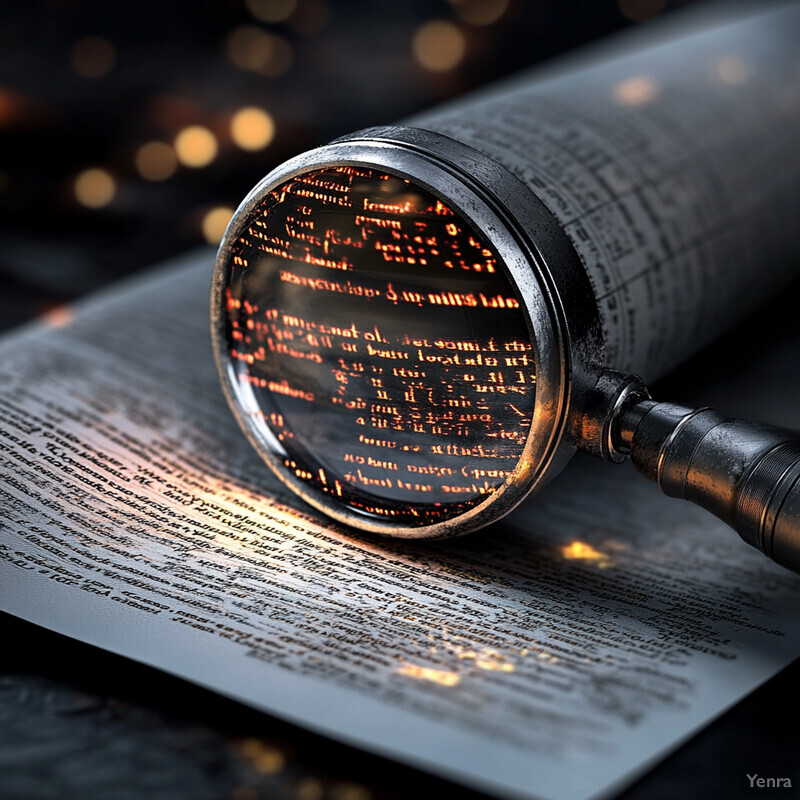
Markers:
84,86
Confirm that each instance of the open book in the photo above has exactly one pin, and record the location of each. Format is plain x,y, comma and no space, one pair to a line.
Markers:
553,655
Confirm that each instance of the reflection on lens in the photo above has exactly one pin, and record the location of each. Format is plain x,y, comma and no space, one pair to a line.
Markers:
378,345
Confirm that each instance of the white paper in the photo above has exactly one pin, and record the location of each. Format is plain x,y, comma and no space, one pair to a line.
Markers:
555,655
673,171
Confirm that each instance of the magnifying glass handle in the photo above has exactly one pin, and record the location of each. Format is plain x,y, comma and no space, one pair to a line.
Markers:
745,473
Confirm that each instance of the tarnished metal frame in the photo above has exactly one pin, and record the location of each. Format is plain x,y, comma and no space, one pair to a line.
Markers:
556,296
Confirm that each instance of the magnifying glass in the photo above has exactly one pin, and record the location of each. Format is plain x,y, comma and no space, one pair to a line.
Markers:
410,341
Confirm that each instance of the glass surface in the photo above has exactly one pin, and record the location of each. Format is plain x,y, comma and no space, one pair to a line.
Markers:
379,345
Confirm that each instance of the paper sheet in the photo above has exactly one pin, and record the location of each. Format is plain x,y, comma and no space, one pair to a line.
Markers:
554,655
673,170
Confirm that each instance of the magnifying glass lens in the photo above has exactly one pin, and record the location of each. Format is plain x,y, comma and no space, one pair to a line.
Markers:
379,349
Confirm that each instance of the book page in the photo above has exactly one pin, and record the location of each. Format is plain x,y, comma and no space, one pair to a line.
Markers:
673,169
553,656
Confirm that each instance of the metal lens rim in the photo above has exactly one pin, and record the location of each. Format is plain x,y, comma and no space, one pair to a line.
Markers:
444,180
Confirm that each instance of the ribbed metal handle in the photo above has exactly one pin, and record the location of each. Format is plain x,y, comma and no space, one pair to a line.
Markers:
745,473
768,505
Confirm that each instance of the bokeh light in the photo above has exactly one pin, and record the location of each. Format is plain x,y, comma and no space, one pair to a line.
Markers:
252,128
265,758
271,10
156,161
93,57
214,223
309,789
439,45
196,146
351,791
12,107
480,12
251,48
95,188
58,316
733,70
637,91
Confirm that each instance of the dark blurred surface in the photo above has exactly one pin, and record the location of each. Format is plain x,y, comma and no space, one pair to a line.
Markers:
84,86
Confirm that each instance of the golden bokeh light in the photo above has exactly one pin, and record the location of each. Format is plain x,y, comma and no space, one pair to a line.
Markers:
93,57
271,10
487,659
637,91
439,45
95,188
582,551
309,789
156,161
641,10
252,128
443,677
251,48
267,759
350,791
481,12
196,146
215,222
